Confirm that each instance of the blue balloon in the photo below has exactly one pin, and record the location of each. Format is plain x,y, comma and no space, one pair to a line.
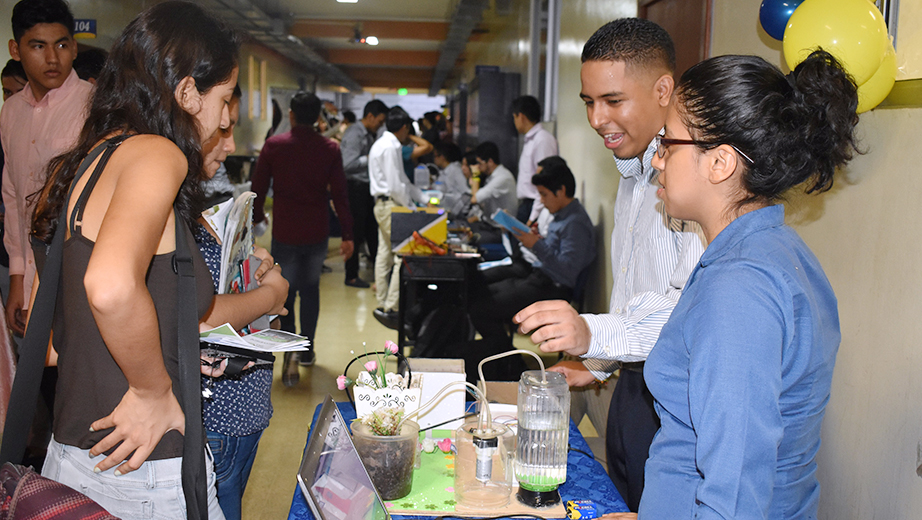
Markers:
774,15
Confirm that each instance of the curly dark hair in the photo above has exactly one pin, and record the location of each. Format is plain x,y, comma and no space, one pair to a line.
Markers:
794,128
135,95
635,41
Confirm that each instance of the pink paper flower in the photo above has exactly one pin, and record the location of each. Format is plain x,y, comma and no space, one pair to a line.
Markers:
390,346
445,445
371,367
342,382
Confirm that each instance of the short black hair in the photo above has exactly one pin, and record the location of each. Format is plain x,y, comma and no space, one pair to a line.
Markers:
88,63
397,118
349,116
306,108
470,157
634,41
529,106
449,150
553,159
13,69
555,175
486,151
375,107
29,13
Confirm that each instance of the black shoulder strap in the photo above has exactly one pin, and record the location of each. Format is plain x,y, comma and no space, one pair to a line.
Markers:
76,217
34,348
194,479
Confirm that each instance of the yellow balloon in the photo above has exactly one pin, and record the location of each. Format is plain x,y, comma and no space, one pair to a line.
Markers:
853,31
878,87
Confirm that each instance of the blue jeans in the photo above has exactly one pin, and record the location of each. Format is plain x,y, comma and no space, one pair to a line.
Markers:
233,460
301,266
154,491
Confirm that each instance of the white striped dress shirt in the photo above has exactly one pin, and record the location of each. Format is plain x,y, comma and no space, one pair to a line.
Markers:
652,256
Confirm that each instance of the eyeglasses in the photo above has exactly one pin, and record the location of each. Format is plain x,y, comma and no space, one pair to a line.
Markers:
663,142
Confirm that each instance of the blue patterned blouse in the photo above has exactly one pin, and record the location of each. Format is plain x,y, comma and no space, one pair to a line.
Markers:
239,405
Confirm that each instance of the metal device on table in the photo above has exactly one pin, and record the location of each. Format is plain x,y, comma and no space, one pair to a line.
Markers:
485,465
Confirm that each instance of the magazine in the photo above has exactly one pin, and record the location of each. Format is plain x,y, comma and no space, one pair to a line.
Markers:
232,221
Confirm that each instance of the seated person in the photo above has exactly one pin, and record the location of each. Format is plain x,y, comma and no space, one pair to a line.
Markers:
457,190
494,189
566,250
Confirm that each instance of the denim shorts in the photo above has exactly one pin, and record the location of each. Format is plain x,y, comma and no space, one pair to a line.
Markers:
154,491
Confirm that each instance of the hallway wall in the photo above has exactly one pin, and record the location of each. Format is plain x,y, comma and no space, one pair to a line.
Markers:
861,232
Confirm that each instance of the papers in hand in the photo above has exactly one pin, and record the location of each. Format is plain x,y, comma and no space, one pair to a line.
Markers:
269,340
509,222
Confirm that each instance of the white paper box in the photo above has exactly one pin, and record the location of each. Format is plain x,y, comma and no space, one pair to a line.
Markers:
436,374
368,399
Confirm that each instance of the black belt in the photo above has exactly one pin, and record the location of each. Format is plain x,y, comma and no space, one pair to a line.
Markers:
636,366
382,198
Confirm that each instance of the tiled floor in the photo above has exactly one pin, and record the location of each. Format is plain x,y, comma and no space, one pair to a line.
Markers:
345,322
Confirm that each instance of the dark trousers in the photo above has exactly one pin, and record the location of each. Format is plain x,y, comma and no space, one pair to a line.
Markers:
301,266
524,210
364,227
504,291
632,423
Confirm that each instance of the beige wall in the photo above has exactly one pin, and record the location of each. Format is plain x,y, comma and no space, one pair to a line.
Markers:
862,233
281,73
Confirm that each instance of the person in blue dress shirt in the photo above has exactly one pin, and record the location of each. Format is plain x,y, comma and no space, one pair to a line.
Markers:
742,370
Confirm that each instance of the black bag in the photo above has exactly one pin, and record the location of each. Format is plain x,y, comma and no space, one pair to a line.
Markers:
443,327
447,332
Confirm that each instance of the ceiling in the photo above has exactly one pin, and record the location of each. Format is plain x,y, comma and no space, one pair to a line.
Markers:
420,41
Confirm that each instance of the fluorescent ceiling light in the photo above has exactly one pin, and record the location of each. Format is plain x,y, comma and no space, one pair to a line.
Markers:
348,1
371,40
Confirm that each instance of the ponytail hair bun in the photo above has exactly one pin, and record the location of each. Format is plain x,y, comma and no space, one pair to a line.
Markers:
796,129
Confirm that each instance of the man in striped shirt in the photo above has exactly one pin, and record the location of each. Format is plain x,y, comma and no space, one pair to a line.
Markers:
626,85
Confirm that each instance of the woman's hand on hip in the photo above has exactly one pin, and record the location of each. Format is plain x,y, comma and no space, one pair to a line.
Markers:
140,420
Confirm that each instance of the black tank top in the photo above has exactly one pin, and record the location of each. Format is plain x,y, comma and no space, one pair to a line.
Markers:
90,383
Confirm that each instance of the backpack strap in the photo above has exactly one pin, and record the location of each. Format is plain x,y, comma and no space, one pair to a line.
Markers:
34,348
194,478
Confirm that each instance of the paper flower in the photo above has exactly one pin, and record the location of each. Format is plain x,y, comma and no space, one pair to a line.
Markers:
390,346
445,445
342,382
371,367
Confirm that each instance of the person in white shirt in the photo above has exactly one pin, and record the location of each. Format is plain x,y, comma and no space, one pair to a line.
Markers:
539,144
456,187
627,83
495,187
390,187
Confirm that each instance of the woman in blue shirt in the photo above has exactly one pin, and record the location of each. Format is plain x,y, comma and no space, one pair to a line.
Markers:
742,371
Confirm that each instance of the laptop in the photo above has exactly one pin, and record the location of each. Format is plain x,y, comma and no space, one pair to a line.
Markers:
332,477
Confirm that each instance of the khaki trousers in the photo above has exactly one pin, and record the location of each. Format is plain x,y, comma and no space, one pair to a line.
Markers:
387,264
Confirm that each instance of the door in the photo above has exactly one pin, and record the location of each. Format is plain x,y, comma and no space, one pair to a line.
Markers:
689,24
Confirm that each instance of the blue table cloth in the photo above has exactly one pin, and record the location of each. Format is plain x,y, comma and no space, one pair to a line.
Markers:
586,478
